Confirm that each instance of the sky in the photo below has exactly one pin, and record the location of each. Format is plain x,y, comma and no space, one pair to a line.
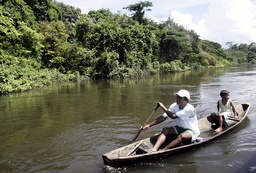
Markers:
220,21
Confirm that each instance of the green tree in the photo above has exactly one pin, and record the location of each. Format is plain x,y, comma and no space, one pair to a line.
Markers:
45,10
69,13
79,59
55,44
19,30
84,28
98,15
252,53
138,10
69,16
173,45
19,11
216,55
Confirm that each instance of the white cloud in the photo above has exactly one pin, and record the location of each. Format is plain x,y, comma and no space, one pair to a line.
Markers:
243,16
224,21
182,19
236,22
186,20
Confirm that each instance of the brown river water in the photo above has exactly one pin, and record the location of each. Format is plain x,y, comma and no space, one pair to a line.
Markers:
66,128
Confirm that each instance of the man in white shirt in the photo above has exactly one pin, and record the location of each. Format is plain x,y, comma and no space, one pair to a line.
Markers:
185,117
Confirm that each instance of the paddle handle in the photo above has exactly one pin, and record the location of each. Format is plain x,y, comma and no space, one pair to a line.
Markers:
146,122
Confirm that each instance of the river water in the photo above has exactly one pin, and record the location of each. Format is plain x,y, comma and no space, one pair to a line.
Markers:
66,128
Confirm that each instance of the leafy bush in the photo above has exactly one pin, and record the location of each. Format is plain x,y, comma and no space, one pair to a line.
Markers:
21,74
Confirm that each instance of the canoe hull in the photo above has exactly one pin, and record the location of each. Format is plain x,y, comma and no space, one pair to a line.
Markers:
141,150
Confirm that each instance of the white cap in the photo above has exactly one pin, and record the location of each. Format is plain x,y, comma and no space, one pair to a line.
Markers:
183,93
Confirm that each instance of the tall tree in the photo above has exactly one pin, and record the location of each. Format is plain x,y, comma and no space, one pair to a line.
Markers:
173,45
44,10
69,13
138,10
55,44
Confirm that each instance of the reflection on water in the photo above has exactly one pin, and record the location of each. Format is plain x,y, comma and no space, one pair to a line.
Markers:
67,128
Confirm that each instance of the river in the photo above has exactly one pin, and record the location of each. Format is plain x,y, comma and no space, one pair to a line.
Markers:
66,128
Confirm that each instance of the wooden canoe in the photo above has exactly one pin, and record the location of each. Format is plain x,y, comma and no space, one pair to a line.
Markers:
141,150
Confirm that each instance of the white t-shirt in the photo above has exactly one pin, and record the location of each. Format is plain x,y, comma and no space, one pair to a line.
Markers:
187,117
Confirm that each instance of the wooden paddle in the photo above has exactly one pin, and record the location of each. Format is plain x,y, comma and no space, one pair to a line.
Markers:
146,122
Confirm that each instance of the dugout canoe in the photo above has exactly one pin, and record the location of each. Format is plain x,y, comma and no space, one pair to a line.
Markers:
141,150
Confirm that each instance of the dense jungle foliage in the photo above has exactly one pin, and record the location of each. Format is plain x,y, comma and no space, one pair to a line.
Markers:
45,41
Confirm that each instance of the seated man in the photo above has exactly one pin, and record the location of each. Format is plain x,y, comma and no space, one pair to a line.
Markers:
184,116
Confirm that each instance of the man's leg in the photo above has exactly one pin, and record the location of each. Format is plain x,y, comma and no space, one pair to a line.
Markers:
160,140
178,140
